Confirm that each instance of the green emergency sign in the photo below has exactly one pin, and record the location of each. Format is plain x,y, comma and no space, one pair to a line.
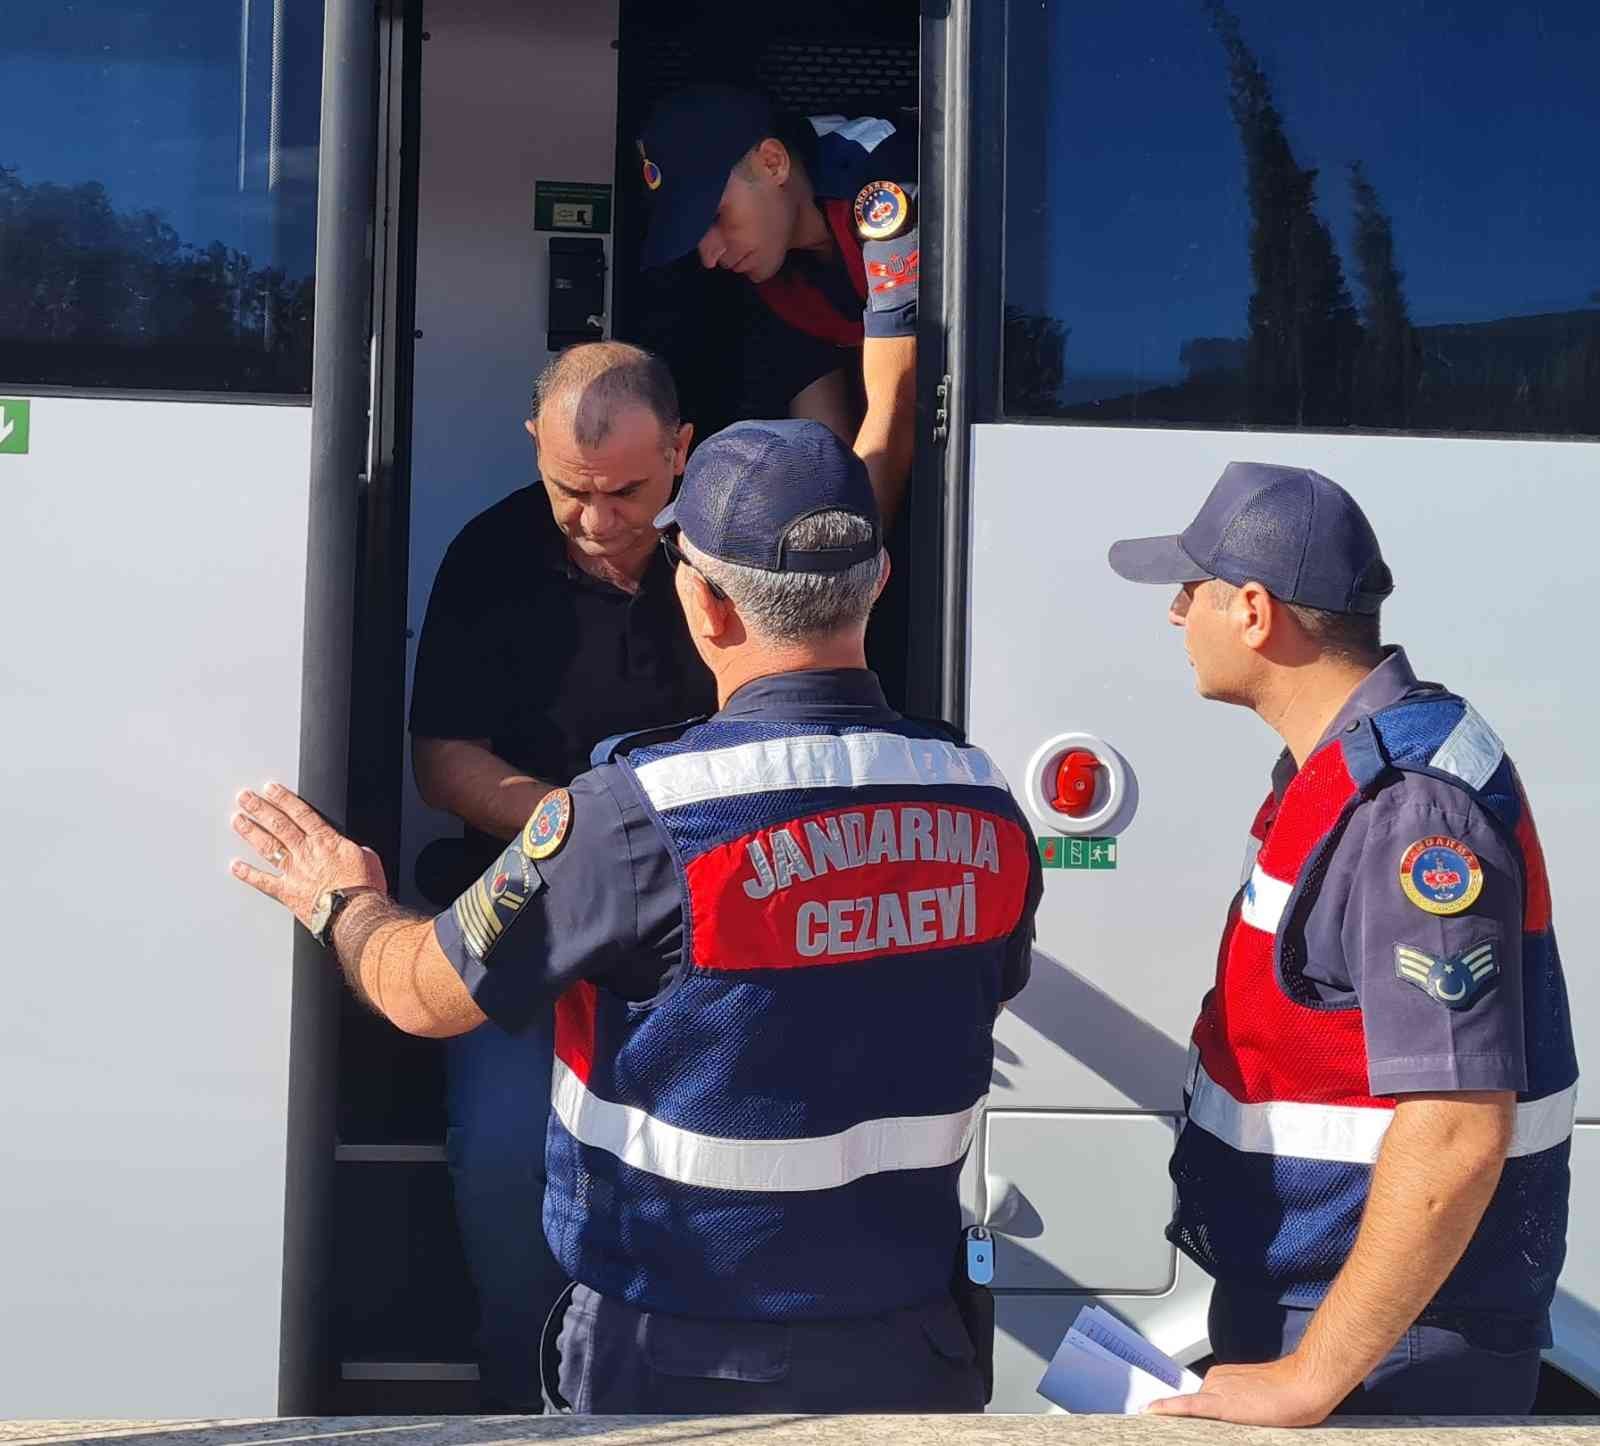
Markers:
13,427
1077,853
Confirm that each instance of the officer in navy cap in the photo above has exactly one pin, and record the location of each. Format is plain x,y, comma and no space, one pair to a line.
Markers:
818,214
777,939
1382,1082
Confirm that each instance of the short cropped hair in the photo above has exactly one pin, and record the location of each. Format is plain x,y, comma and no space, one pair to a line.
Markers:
1357,637
601,378
801,607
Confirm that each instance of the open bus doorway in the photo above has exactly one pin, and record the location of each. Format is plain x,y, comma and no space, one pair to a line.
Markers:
499,111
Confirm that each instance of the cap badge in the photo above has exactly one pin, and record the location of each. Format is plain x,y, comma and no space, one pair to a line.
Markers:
547,829
882,210
652,172
1441,875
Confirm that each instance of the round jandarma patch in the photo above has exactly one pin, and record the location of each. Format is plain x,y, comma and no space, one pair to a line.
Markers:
1441,875
546,831
881,211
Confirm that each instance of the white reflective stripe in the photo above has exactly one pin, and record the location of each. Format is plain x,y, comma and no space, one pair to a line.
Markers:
1544,1124
917,1142
1264,900
855,760
1472,751
868,132
1350,1134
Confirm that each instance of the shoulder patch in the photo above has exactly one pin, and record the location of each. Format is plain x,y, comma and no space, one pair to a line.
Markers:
1455,980
547,829
484,911
882,211
1441,875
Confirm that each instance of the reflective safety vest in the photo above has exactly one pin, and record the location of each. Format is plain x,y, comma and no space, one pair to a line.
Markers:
1275,1158
778,1134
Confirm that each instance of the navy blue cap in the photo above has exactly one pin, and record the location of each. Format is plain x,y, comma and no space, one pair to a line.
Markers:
1293,530
688,149
746,487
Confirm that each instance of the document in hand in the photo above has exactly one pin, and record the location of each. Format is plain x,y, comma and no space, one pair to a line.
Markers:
1103,1366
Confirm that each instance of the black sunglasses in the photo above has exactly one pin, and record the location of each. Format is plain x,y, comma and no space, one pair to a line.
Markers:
677,559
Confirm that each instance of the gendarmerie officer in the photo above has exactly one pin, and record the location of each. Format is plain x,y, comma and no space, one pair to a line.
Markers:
818,215
1383,1081
778,938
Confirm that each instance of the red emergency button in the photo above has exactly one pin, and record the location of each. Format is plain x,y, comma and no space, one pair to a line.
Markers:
1075,779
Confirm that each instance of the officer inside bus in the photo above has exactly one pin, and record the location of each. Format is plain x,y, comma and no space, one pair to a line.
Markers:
1381,1091
551,625
777,941
818,215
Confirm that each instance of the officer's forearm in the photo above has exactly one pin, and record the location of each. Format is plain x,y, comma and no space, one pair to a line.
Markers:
886,441
1440,1163
393,964
466,777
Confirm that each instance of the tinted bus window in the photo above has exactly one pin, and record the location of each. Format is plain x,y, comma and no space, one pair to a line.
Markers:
1379,214
158,166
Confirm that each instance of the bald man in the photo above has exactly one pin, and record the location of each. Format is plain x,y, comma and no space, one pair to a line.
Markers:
551,626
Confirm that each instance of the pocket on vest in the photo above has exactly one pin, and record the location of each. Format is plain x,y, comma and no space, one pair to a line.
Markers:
755,1351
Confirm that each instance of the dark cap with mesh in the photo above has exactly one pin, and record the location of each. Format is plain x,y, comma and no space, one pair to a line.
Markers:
746,488
1292,530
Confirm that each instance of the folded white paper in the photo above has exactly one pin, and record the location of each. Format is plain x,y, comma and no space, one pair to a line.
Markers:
1103,1367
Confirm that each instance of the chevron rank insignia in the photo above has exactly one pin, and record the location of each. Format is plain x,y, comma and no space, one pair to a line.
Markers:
484,911
1457,981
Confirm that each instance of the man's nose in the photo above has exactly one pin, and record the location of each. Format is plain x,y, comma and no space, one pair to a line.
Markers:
598,514
712,248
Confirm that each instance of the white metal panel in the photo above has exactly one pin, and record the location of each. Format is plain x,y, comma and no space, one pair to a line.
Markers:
1082,1200
1492,547
152,575
513,92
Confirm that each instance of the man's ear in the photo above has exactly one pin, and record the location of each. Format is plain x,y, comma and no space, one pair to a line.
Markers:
680,448
533,430
883,574
772,160
1255,612
706,614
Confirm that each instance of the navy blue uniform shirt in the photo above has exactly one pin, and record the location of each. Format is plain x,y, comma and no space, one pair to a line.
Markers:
606,906
1415,1044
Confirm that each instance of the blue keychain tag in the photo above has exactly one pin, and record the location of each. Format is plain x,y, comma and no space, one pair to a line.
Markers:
980,1255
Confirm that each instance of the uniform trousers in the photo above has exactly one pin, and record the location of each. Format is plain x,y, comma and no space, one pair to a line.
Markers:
616,1359
1431,1371
497,1102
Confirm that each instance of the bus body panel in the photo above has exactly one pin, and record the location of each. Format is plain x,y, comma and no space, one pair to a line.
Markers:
154,584
1490,543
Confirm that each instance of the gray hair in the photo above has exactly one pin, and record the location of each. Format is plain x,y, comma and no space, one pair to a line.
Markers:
800,607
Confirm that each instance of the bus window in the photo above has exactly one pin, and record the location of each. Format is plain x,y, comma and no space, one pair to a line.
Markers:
158,168
1231,213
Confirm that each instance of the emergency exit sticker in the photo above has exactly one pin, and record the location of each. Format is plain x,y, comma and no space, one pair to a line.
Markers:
1056,852
571,206
13,426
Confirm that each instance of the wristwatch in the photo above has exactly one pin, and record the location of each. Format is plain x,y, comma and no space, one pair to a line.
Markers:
330,904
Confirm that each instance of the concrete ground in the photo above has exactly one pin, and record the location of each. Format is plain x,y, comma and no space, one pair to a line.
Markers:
798,1431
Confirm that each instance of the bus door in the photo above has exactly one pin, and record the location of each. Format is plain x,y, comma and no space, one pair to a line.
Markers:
509,199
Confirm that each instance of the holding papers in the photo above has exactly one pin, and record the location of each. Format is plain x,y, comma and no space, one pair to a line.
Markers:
1101,1366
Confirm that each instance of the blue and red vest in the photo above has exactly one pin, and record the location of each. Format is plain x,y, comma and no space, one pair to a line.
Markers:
1275,1158
778,1134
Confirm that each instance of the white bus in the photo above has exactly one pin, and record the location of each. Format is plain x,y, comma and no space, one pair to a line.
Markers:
275,276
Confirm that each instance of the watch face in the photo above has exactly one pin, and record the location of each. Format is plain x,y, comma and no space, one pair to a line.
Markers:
322,913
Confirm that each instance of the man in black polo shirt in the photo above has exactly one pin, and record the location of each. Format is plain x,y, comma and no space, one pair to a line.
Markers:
552,625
